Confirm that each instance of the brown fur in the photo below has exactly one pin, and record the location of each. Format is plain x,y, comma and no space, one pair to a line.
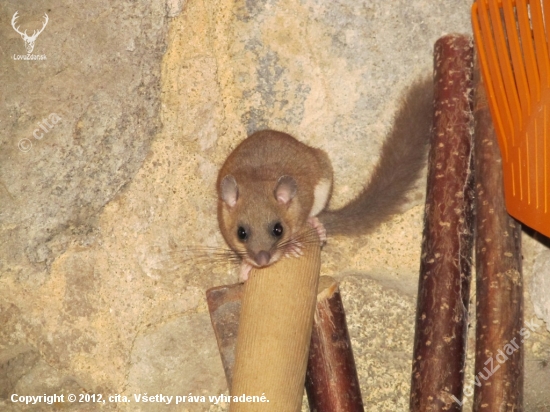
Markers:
402,159
257,164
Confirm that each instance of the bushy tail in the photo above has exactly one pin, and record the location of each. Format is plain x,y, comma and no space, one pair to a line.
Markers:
401,161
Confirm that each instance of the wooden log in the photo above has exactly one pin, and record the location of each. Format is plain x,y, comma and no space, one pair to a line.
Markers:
499,285
331,379
445,269
224,305
274,334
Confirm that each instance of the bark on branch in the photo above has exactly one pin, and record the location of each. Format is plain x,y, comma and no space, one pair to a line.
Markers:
445,270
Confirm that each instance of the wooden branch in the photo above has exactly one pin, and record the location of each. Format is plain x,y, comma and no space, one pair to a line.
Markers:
274,334
445,270
499,286
224,305
331,380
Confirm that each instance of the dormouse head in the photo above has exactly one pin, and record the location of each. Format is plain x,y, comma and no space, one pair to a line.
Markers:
256,218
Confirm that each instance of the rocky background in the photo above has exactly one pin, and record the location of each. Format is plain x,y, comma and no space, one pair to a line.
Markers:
110,144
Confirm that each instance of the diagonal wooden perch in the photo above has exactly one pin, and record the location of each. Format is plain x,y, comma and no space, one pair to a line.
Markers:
332,383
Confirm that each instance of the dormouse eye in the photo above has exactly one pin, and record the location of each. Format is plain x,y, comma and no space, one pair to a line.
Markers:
241,233
277,230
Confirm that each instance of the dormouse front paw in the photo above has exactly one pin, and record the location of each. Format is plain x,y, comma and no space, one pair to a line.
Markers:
319,227
294,250
244,271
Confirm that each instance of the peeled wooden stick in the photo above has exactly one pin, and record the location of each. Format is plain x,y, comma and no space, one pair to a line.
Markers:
274,334
445,269
499,286
331,380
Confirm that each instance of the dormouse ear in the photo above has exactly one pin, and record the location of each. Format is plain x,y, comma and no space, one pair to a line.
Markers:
229,190
285,190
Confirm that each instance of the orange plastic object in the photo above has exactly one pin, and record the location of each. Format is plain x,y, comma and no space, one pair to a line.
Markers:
512,45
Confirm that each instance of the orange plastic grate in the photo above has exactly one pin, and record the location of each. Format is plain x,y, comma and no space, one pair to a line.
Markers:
512,40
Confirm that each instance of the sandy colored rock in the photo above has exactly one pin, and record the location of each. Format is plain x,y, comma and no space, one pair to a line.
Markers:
104,220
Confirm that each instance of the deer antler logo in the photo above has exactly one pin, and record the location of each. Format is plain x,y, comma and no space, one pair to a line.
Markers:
29,40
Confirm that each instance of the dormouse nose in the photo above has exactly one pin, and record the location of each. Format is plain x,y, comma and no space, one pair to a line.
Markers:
262,258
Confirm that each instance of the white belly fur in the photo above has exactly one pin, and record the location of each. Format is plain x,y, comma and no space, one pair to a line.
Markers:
320,196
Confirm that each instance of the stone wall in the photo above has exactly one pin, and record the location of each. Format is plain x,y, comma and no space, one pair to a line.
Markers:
110,147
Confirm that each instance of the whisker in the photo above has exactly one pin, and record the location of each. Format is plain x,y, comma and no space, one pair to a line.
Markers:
204,254
304,237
